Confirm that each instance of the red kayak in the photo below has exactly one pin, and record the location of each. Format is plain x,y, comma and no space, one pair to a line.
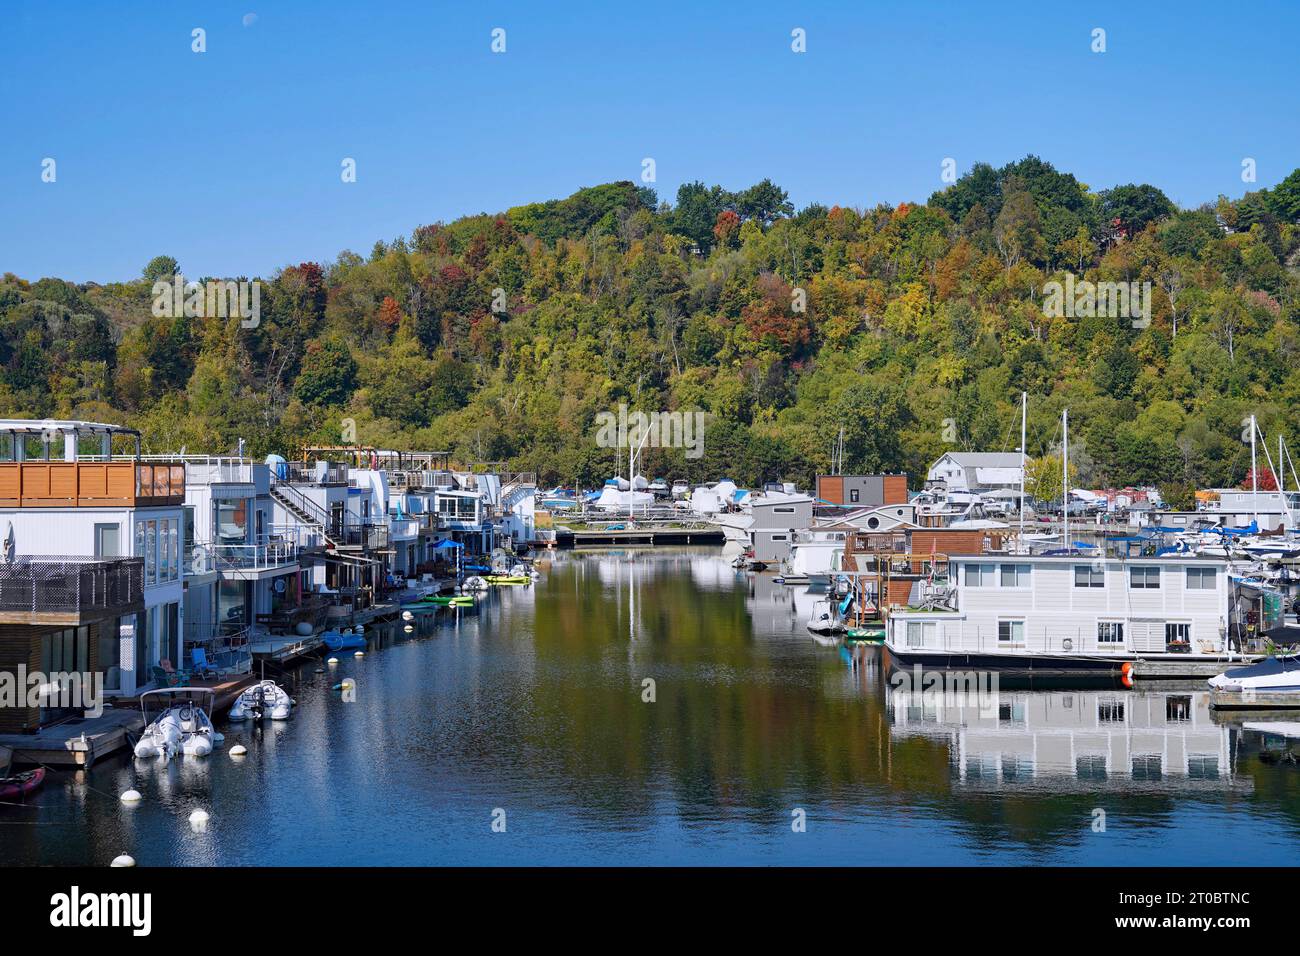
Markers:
16,788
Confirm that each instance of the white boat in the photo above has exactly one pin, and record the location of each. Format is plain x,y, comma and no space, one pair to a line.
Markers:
177,722
1274,675
824,619
264,699
474,583
681,490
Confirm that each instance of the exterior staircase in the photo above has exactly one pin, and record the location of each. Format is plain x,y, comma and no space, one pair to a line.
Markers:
305,511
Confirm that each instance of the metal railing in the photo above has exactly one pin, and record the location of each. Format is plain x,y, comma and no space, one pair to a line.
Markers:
225,643
268,553
70,584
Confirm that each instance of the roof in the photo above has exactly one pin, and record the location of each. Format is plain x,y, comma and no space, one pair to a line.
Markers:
39,425
984,459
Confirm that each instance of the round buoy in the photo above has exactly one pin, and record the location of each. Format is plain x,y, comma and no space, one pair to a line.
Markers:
123,860
1126,673
359,654
131,796
407,615
199,820
360,629
238,750
332,660
408,629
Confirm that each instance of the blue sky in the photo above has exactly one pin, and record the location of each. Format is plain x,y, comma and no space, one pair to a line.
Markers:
230,160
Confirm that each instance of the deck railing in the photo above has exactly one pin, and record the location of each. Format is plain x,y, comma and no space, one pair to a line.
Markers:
70,584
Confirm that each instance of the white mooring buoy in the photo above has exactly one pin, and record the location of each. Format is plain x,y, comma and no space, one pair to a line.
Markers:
407,615
123,860
238,750
199,821
332,660
359,654
408,629
131,796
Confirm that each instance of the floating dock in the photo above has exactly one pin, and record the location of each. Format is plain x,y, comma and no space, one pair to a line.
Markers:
569,538
75,743
1254,700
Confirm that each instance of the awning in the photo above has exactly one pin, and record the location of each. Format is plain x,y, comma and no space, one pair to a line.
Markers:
445,544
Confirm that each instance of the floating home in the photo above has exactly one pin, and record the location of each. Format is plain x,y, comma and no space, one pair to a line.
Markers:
1068,613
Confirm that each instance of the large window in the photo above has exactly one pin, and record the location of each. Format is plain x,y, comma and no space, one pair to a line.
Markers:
1177,635
232,521
979,575
1144,577
1011,632
110,654
1087,576
922,634
1110,632
1202,579
1015,575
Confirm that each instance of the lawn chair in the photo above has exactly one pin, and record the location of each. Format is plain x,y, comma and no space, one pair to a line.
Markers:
201,666
169,678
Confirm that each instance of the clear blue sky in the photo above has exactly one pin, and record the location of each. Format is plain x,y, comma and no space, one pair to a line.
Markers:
230,160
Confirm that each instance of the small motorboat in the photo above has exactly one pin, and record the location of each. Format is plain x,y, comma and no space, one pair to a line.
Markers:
264,699
824,620
177,722
474,583
18,787
343,641
1273,675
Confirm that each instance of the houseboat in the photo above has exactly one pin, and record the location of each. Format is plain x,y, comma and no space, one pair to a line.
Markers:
1068,613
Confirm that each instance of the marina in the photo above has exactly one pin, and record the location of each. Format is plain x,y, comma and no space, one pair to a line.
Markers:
508,707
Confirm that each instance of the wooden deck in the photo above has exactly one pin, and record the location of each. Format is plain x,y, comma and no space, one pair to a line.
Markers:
76,743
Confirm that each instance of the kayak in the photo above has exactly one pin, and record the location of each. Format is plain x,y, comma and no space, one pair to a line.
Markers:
16,788
507,579
337,641
445,599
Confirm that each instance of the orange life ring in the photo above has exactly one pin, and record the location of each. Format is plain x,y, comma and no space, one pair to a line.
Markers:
1126,673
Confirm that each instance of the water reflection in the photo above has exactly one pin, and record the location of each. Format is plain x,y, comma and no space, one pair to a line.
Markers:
534,701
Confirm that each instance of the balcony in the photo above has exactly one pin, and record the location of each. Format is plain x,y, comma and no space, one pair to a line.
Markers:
91,484
271,552
69,591
371,537
313,473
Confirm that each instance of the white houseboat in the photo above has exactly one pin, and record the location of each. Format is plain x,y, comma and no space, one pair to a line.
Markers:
1065,613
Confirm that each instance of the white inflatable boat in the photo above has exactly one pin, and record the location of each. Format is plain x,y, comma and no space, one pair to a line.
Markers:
263,699
177,722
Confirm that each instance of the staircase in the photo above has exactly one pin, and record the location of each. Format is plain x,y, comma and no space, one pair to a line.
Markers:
305,511
516,492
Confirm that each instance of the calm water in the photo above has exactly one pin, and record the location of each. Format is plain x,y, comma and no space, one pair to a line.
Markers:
532,704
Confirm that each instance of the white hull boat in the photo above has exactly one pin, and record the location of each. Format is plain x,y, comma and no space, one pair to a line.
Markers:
177,722
1273,675
263,699
824,620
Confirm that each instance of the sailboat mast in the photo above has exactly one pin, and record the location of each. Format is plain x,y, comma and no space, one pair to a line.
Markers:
1024,406
1254,476
1065,474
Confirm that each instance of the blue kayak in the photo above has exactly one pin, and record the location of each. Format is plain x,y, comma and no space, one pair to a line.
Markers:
338,641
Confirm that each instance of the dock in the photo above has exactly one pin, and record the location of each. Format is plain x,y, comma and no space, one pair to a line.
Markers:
75,743
649,535
1258,700
1174,668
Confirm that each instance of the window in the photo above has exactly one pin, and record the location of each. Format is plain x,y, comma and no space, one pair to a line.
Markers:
921,634
783,511
1178,710
1088,576
1179,635
1015,575
151,552
1148,767
1110,632
1110,712
979,575
1144,577
1011,632
1091,767
1201,579
108,541
853,495
1202,767
780,537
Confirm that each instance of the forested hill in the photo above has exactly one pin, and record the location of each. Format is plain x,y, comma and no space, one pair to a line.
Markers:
920,326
